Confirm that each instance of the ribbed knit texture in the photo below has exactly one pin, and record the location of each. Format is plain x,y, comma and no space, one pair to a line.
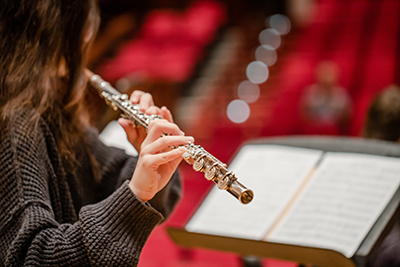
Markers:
51,217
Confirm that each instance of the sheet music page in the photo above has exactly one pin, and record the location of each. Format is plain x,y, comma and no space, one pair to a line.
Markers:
341,203
273,173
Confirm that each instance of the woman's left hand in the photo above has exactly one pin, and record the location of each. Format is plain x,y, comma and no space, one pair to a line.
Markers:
136,135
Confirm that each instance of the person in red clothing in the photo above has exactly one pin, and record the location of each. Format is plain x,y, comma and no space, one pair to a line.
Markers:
66,199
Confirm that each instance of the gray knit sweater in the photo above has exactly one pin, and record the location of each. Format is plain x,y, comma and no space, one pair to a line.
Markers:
50,217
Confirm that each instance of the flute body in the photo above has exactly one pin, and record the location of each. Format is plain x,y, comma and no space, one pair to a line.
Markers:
201,160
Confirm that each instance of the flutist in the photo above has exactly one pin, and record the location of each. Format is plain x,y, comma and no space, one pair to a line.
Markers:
65,198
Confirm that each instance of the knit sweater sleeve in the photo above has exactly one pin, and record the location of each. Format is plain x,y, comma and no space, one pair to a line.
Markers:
117,167
35,229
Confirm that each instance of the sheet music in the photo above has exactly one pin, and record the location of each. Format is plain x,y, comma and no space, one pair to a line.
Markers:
274,173
341,203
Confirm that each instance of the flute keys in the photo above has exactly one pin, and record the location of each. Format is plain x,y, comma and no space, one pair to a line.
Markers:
124,97
199,163
223,183
211,171
114,106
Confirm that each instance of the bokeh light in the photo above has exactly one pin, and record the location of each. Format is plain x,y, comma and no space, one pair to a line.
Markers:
257,72
248,91
270,37
266,54
238,111
123,84
280,23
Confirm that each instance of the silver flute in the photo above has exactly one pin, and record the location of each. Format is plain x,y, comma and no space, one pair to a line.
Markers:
197,156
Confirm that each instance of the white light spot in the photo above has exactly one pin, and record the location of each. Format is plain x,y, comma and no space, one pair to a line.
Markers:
280,23
257,72
270,37
266,54
248,91
238,111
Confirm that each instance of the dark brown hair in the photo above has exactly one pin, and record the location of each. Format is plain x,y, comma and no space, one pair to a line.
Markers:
383,118
43,50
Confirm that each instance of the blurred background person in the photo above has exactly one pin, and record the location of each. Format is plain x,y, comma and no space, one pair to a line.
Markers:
383,117
325,105
383,123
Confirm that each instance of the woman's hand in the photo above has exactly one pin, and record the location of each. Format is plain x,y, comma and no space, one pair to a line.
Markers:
136,135
157,161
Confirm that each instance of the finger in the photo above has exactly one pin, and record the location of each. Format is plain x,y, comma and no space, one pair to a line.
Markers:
166,114
160,127
146,101
135,135
175,162
166,143
154,161
127,125
153,110
129,129
88,73
135,96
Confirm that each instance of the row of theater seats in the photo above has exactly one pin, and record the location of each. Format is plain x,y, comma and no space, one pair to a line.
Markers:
169,44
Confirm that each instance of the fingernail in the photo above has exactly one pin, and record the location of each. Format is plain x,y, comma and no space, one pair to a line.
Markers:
190,139
135,99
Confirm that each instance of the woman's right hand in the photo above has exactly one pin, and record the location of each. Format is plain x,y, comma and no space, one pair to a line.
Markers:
157,160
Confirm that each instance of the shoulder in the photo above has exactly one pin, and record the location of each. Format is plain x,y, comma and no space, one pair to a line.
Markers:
24,161
27,139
